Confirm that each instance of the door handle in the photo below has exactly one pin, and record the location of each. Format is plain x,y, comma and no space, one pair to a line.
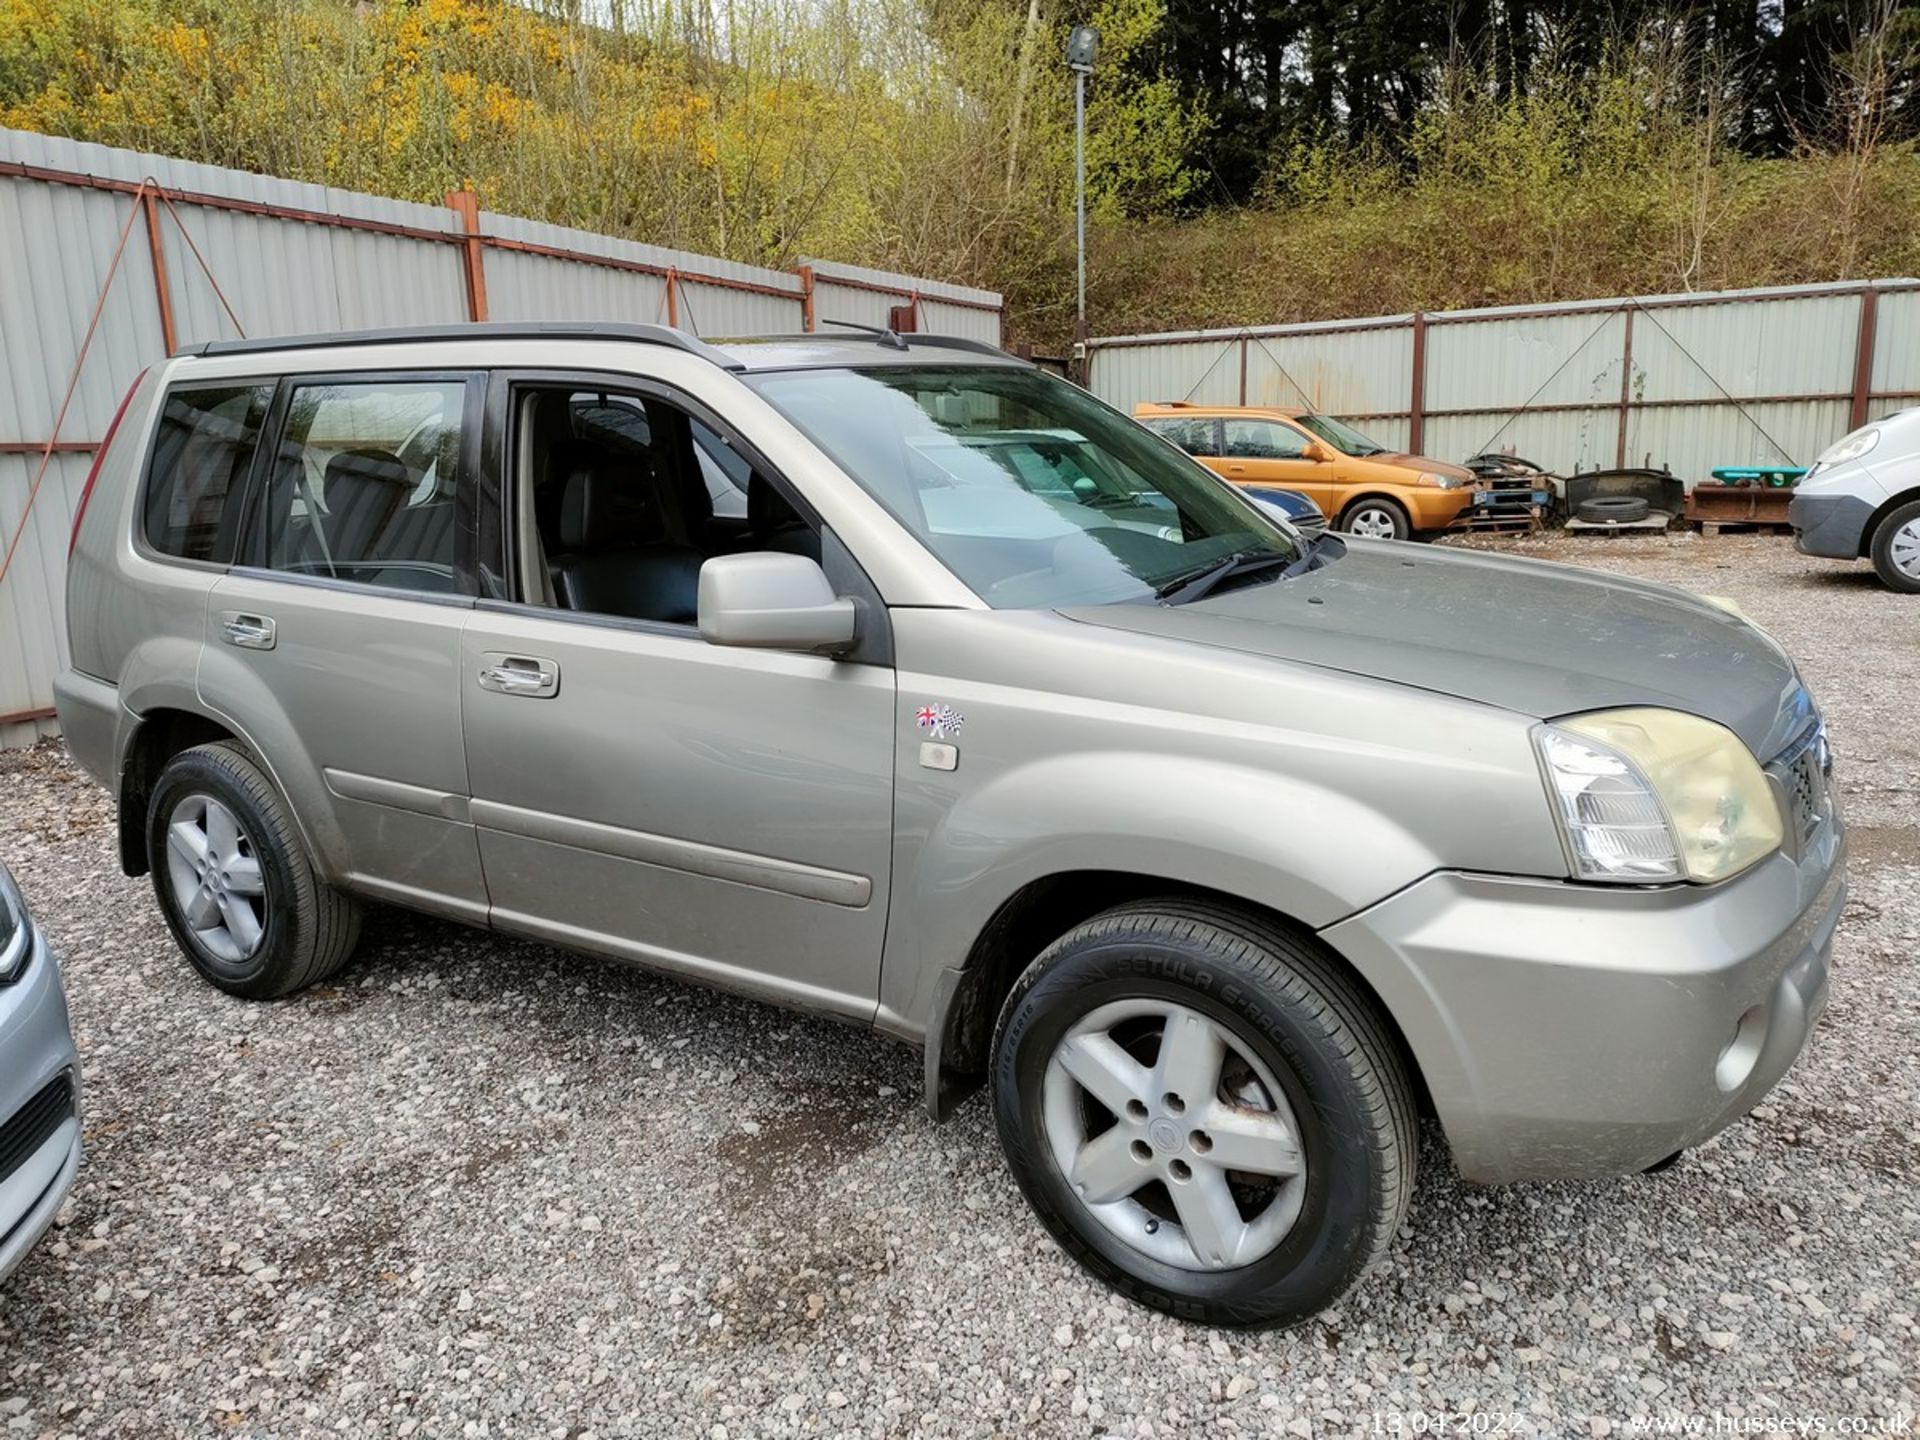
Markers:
1236,469
526,675
249,632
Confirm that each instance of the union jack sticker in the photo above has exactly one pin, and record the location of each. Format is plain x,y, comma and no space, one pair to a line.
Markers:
940,721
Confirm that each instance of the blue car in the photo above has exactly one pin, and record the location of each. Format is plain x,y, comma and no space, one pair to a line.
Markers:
1289,505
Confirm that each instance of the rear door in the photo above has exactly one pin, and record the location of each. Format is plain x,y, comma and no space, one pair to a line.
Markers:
334,641
723,813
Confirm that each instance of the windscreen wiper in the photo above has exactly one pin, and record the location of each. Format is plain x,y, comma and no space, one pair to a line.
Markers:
1202,582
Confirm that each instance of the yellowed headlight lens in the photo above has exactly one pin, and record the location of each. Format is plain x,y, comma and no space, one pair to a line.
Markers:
1717,798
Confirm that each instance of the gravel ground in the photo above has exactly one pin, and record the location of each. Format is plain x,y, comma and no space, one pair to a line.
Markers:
483,1188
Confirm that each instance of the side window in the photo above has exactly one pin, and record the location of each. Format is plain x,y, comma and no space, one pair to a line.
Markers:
1191,435
201,454
617,422
1263,440
626,496
364,485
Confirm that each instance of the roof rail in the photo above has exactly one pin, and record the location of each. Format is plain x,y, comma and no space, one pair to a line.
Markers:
484,330
957,342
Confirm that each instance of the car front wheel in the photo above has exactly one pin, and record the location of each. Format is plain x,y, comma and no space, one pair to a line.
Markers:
1896,549
1205,1112
1377,519
234,881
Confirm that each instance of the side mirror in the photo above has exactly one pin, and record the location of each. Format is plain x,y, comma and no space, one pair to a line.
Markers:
1318,452
772,601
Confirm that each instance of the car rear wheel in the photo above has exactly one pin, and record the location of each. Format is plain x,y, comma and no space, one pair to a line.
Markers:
1896,549
234,881
1204,1112
1377,519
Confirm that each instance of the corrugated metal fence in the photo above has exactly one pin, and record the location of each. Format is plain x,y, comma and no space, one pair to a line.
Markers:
207,250
1739,377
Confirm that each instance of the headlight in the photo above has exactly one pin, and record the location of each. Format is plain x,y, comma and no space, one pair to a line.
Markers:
14,936
1850,447
1645,796
1443,482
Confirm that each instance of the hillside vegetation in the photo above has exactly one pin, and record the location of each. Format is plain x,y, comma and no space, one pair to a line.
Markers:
935,138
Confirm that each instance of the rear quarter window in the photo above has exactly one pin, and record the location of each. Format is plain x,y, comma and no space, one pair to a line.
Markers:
197,474
1195,436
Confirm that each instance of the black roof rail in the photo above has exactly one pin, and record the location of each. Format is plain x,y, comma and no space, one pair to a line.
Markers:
958,342
483,330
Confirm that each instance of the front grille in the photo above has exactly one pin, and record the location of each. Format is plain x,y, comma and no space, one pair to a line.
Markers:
28,1128
1803,770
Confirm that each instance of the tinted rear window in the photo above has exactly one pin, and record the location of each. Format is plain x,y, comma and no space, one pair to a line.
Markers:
1193,436
205,443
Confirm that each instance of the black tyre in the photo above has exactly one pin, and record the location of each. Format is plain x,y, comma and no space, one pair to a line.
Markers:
1619,509
1205,1112
234,881
1378,517
1896,549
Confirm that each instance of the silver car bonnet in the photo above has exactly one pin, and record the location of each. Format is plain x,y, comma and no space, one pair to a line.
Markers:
1529,636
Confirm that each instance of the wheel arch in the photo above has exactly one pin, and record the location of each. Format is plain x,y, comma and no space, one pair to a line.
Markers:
1895,502
157,736
959,1034
1354,502
163,730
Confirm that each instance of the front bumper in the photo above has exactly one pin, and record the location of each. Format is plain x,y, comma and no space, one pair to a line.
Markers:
36,1049
1834,526
1431,508
1571,1031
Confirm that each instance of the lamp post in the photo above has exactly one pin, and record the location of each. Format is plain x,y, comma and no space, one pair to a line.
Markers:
1081,47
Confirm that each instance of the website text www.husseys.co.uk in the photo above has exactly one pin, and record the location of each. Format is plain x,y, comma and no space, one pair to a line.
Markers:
1720,1423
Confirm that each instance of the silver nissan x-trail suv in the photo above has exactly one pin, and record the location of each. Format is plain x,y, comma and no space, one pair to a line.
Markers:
892,678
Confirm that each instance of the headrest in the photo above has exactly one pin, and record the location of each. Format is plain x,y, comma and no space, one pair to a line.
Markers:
351,470
609,505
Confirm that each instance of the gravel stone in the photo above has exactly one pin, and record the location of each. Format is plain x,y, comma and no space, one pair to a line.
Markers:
474,1186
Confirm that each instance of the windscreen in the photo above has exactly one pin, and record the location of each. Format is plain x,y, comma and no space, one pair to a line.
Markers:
1342,436
1031,491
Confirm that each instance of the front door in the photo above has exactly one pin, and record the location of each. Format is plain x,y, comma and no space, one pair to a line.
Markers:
335,638
724,813
1266,452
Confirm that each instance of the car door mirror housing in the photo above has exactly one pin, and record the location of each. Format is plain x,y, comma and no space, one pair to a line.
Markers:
773,601
1317,451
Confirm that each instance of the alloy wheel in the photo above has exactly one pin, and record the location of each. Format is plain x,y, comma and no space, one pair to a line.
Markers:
1372,522
1173,1135
215,877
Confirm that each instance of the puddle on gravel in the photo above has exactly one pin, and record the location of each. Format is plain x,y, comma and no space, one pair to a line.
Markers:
803,1143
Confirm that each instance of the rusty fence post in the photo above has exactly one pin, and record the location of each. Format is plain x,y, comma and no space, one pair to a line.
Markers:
808,321
156,247
1863,357
466,205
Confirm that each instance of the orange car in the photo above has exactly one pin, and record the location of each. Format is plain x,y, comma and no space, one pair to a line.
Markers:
1361,487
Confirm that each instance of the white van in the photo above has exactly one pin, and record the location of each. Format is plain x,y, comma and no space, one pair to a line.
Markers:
1861,500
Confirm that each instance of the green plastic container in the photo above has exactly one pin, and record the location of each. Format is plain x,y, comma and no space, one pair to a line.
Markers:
1774,477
